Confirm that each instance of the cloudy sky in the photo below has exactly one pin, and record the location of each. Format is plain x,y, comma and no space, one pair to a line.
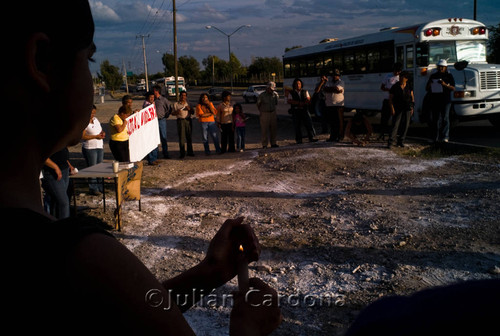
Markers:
275,25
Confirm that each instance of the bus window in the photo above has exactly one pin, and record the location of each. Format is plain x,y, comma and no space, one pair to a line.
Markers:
328,65
442,50
311,68
295,70
337,61
288,72
386,59
319,65
400,55
373,60
409,57
360,64
422,54
303,68
472,51
348,62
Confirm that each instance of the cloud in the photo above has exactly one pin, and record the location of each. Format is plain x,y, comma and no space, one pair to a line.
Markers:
102,12
209,14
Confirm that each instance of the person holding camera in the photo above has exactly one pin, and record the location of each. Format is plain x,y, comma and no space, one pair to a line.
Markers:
440,85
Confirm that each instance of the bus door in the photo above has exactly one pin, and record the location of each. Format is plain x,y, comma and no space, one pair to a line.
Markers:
405,54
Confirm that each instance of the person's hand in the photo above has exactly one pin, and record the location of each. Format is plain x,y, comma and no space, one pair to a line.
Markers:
223,250
255,312
58,172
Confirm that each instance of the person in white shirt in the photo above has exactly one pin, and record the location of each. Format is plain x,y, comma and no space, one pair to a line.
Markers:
93,148
334,104
385,115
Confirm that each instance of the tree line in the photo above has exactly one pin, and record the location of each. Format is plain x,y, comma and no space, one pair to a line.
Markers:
216,70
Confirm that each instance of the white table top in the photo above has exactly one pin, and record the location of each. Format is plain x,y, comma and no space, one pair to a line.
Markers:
103,169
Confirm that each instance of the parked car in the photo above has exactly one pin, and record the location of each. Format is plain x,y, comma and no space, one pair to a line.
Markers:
253,92
215,93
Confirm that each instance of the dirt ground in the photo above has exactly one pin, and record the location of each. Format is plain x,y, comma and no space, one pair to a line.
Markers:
340,225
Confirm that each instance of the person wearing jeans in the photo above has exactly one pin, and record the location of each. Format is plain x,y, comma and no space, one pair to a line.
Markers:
55,183
401,103
440,85
93,148
206,112
163,112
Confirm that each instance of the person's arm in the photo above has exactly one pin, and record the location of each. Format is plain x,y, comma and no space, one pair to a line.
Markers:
450,86
391,105
119,127
102,265
86,136
51,164
321,84
412,102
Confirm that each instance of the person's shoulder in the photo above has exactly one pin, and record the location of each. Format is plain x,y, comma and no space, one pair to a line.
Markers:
115,120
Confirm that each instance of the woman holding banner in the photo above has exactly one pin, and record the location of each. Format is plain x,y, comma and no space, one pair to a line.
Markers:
119,135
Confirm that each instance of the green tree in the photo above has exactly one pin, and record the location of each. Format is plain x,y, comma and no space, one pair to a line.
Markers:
110,74
190,67
219,66
494,44
235,67
169,64
263,67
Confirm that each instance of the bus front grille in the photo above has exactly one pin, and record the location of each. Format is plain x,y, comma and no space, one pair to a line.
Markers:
490,80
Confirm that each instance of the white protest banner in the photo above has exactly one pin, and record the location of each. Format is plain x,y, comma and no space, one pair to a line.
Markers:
144,135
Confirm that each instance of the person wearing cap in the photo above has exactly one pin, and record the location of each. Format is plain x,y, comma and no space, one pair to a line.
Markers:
334,91
440,85
266,103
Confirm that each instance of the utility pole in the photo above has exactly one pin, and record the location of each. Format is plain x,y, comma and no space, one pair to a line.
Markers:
475,9
174,10
145,62
125,75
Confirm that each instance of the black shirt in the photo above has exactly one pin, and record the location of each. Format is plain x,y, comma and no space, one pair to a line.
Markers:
446,77
401,98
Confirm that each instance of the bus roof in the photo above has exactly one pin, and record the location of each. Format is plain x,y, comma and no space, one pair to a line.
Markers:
462,30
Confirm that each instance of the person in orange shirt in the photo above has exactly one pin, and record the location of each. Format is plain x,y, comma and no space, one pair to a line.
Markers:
206,112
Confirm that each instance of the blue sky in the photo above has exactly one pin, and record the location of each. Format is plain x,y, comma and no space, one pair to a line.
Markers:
275,25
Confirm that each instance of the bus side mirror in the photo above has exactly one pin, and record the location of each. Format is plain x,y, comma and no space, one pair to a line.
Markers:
461,65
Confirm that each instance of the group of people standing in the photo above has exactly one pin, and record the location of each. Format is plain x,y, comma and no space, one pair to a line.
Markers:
226,118
400,101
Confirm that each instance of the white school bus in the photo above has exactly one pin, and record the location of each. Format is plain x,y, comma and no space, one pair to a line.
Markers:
365,60
169,84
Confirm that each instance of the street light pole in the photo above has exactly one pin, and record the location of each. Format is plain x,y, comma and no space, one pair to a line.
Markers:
229,46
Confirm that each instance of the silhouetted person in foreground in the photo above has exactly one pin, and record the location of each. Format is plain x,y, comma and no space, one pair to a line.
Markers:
71,277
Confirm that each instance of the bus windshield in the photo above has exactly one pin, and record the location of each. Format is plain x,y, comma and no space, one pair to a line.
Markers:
179,82
453,51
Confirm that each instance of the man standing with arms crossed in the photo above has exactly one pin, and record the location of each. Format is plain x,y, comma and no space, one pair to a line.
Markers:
163,112
266,103
183,112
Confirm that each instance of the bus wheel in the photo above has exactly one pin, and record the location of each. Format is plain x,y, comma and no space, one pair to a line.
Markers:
495,120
